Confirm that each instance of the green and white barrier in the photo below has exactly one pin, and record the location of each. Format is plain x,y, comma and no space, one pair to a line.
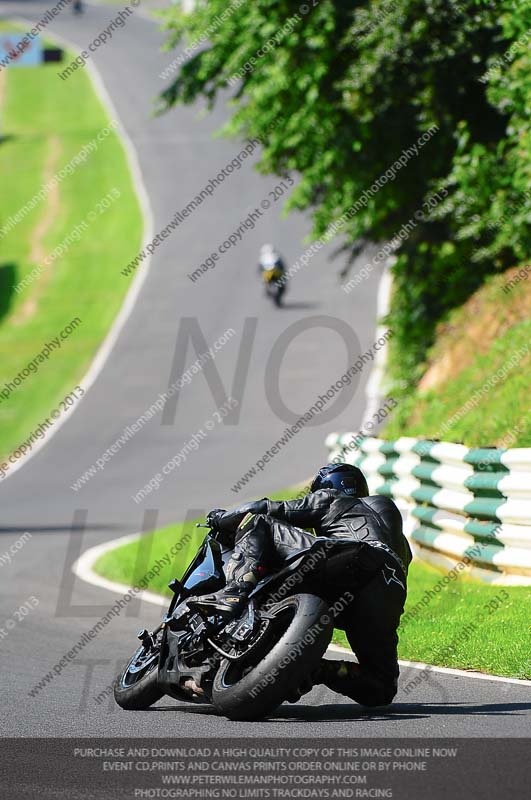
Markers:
460,504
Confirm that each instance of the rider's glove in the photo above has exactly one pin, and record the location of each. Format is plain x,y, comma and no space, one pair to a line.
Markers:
213,518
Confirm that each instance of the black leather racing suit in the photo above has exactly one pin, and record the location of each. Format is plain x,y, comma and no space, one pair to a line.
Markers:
378,578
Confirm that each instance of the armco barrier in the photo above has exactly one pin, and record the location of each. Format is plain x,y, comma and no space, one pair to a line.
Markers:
458,503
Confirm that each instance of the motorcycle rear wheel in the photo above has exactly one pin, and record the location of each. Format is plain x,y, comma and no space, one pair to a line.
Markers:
300,633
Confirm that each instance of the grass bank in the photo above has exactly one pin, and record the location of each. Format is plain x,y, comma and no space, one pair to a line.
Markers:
475,387
458,628
68,224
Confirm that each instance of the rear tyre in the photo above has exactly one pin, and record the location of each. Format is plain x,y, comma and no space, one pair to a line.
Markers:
298,637
137,688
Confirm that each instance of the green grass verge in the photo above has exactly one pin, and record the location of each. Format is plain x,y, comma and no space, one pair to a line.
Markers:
440,634
502,414
45,124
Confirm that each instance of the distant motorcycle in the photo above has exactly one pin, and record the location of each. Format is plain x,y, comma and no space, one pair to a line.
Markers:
272,270
245,667
77,7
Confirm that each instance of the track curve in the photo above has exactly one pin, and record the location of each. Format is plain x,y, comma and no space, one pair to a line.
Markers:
178,156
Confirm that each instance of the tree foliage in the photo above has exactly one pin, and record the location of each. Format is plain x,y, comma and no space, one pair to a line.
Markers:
344,88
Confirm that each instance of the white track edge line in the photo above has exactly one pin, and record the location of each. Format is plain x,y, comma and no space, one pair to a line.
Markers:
106,347
83,568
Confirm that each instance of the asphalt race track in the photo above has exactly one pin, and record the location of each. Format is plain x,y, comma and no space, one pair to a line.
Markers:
178,156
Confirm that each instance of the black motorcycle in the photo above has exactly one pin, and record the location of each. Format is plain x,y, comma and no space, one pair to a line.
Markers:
246,667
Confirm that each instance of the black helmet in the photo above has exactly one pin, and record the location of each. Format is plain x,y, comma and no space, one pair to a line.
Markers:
343,477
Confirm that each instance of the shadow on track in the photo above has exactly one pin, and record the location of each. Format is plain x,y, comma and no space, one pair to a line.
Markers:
398,712
298,306
330,712
444,709
344,712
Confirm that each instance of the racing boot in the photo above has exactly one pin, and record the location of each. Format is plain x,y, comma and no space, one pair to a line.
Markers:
230,601
349,679
336,675
243,571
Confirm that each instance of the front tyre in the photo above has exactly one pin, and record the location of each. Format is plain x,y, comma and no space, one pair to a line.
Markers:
299,633
137,688
277,297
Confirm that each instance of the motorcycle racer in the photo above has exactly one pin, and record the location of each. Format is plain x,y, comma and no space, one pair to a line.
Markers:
266,532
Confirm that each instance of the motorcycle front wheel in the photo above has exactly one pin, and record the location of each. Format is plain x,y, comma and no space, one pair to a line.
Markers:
137,688
299,631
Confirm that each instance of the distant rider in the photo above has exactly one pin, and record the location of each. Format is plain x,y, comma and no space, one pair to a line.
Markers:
265,533
271,265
